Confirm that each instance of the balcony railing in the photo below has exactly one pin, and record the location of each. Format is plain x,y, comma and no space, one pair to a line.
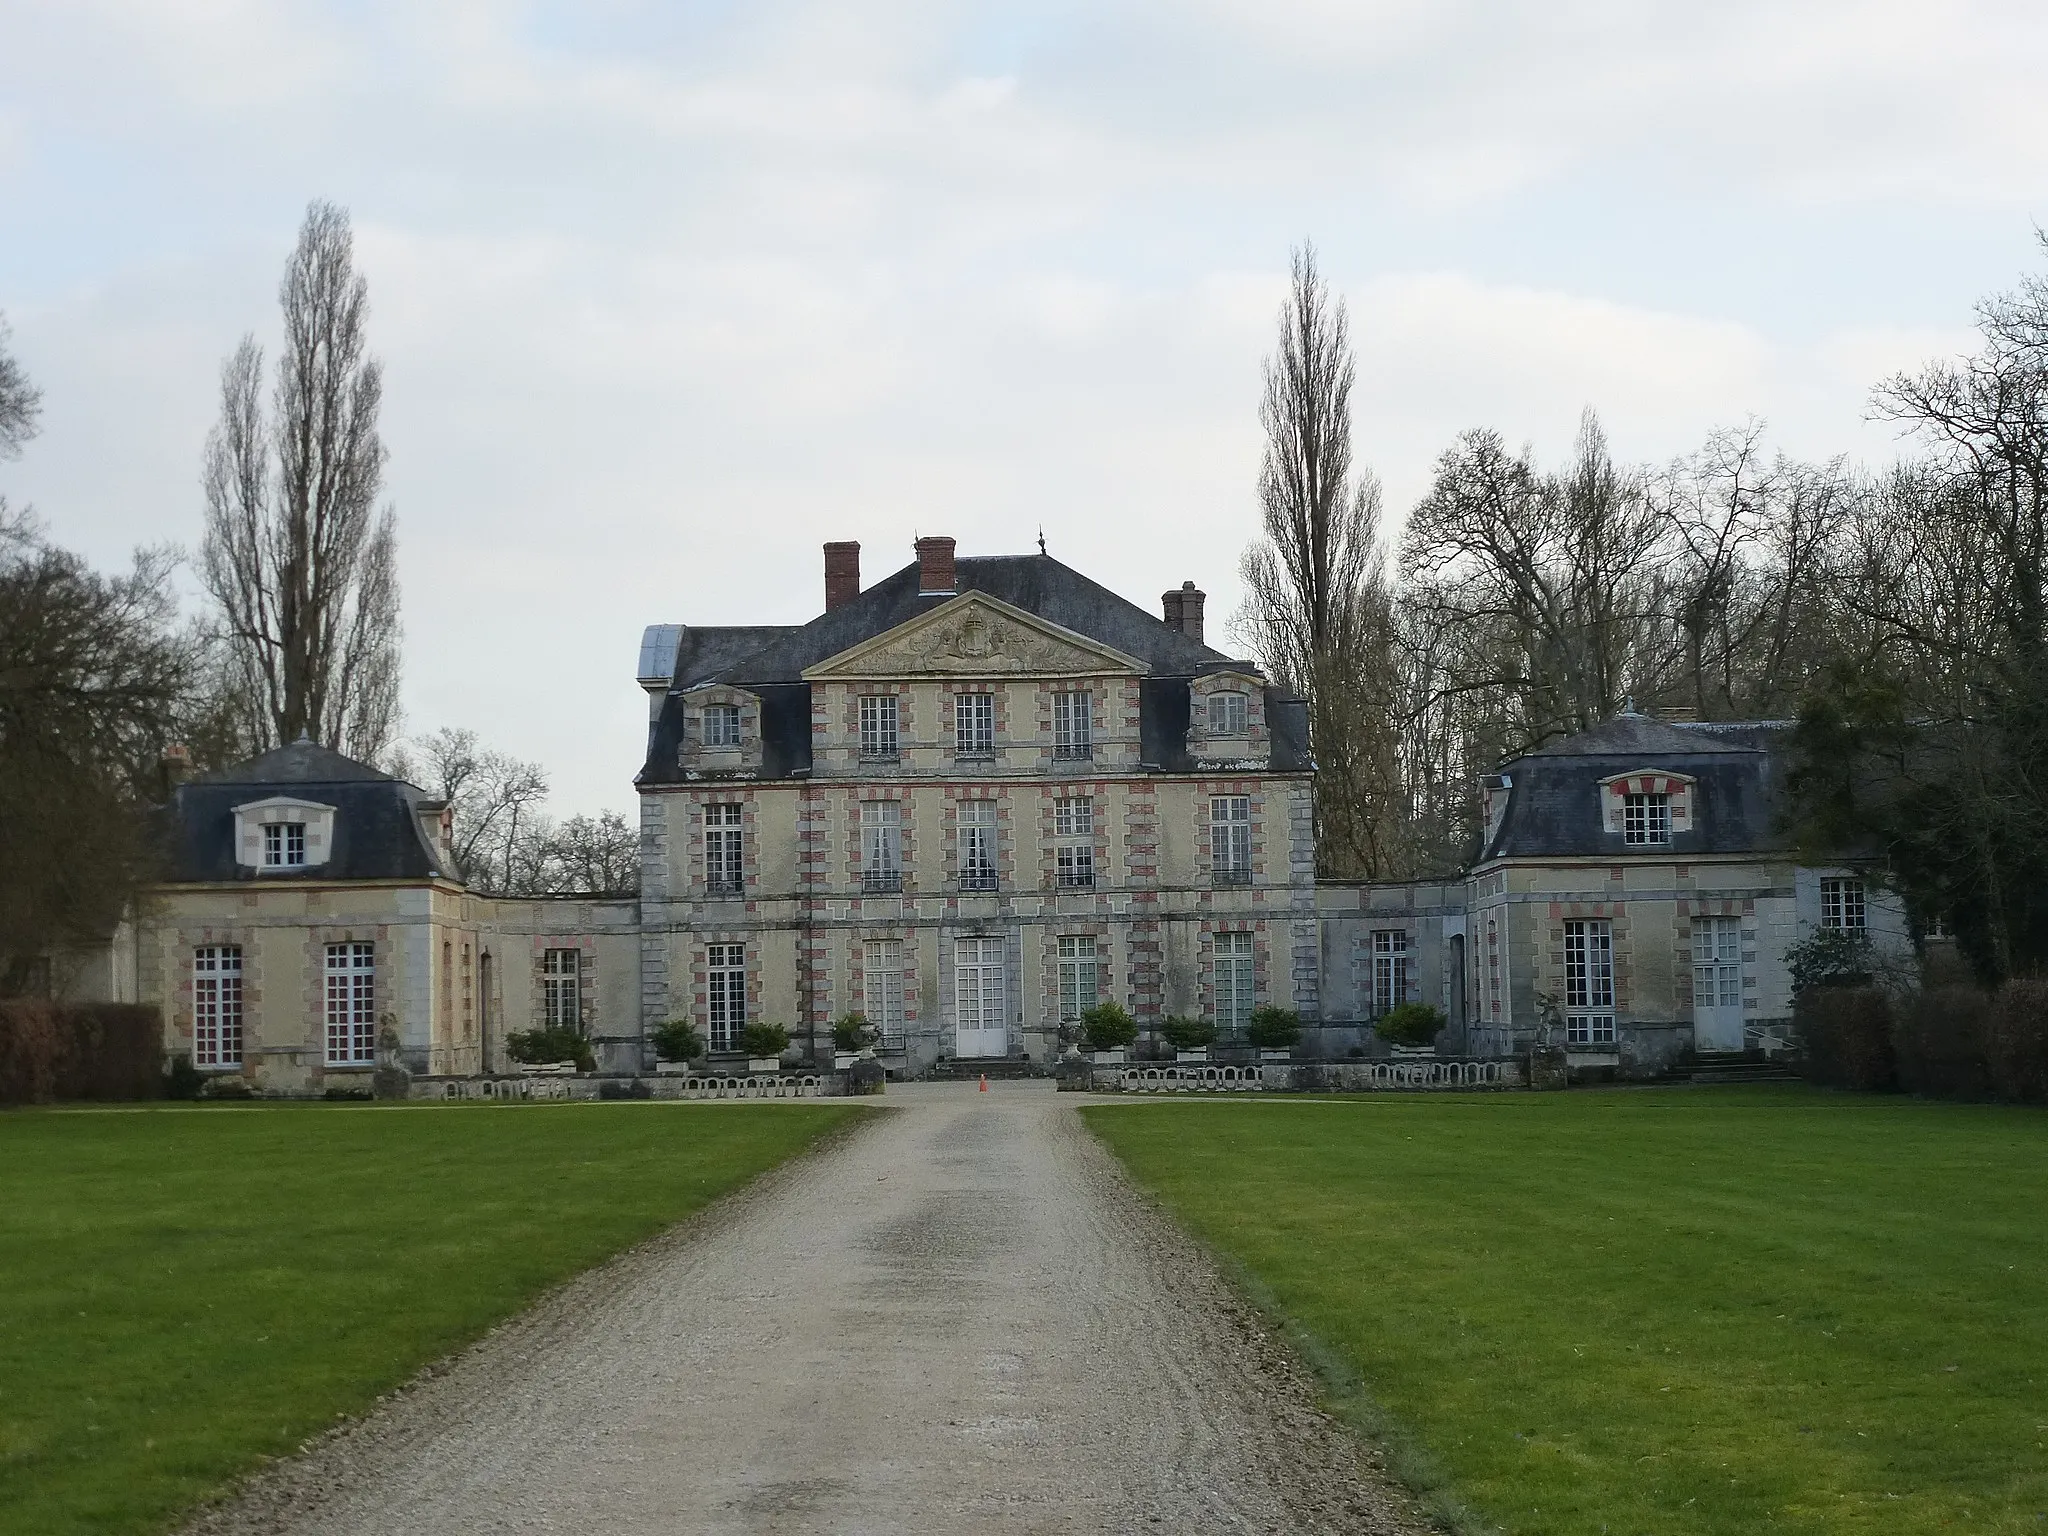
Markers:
1231,874
1076,879
881,882
978,878
1073,751
725,885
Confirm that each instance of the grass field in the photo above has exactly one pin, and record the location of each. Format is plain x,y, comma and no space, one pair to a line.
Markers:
185,1291
1731,1310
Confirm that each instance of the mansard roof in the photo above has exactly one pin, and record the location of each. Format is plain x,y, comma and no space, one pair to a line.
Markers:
376,818
1554,804
772,661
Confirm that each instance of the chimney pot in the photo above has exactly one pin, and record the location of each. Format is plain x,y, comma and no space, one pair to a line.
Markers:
1183,609
935,572
842,574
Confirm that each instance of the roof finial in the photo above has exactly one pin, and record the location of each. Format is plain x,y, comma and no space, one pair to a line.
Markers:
1041,538
304,735
1628,706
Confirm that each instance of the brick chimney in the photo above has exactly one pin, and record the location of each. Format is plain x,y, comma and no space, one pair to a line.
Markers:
935,566
1183,610
175,766
842,574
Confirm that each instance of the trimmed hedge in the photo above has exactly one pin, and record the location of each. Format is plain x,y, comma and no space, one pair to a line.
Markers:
53,1051
1943,1042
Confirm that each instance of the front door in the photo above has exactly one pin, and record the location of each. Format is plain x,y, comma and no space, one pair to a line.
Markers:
1717,983
979,998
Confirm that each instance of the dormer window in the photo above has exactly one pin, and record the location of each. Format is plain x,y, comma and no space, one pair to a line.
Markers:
721,725
1646,819
1229,714
284,845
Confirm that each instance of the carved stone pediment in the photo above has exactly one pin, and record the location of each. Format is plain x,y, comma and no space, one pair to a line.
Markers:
974,635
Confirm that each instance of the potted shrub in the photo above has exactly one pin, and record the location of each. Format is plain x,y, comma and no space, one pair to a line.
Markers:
1190,1038
853,1036
557,1047
764,1045
1109,1031
1275,1031
676,1044
1410,1028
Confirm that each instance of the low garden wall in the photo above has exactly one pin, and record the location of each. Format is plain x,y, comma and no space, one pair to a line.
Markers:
1401,1075
750,1085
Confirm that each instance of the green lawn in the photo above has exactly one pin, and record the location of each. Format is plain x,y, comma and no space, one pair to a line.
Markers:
186,1291
1729,1310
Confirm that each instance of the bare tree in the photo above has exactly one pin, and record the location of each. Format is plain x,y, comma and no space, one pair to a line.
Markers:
595,856
1319,610
494,797
21,403
298,559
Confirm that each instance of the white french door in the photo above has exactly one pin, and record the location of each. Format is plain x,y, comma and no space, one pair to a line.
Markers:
980,1002
1717,983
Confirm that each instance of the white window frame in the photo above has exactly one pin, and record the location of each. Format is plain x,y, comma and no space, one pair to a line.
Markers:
1233,967
1717,962
1844,903
725,871
1390,969
721,725
1589,981
1073,826
880,727
1073,725
725,995
974,725
1646,819
1230,714
217,1007
1230,839
882,986
284,845
980,984
1080,975
351,1004
976,824
881,845
561,989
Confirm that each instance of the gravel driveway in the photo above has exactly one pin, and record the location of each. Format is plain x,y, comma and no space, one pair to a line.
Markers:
959,1318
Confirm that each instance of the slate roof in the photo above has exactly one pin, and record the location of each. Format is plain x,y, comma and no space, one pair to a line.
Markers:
1554,806
771,660
376,818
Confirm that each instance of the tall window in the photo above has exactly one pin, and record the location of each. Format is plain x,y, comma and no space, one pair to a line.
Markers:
1080,976
1389,970
561,989
1646,818
882,985
284,844
1073,825
1716,962
977,845
721,725
878,725
724,874
1589,982
1841,904
217,1006
1073,725
1230,839
881,845
1229,714
725,994
974,724
351,1005
1232,960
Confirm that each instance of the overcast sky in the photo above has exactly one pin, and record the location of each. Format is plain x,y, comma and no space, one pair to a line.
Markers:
668,294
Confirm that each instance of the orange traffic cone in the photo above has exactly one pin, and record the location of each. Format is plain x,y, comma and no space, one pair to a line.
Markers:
984,1082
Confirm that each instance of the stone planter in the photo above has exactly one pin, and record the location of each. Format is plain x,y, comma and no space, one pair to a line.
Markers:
671,1068
1199,1053
841,1060
1271,1053
1113,1058
547,1069
1412,1052
764,1063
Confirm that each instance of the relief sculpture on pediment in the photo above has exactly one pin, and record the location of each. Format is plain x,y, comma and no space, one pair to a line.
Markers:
975,643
